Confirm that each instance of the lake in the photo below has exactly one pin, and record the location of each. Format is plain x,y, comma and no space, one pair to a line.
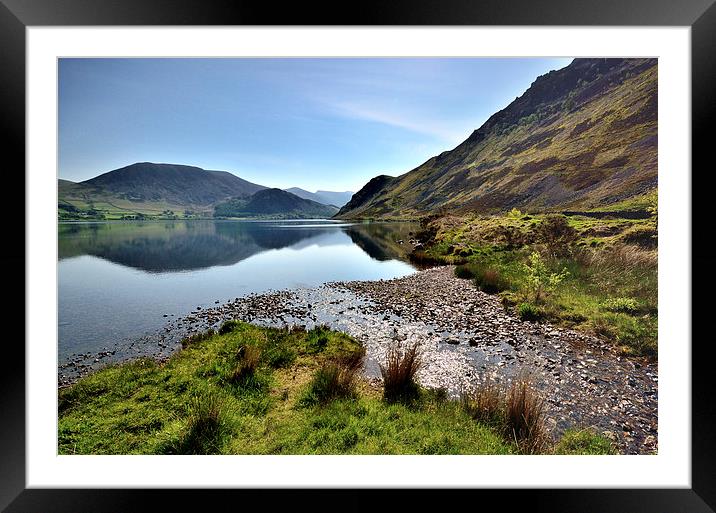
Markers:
121,280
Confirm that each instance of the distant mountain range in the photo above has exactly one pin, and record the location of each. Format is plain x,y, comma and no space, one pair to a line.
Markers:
147,189
580,137
337,199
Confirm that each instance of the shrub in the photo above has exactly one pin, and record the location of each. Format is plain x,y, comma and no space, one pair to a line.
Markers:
556,233
539,279
524,414
399,373
529,312
621,304
509,237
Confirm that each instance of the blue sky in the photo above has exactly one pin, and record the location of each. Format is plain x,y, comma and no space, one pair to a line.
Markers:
329,124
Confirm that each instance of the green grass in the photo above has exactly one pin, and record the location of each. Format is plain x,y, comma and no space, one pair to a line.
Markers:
645,201
609,287
583,442
529,312
194,404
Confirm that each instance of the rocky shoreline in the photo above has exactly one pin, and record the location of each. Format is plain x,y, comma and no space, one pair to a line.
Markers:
466,336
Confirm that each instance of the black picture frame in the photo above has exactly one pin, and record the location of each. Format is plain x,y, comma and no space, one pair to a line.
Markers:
700,15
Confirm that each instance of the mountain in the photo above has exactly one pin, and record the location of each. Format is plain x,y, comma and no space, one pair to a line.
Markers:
337,199
146,188
184,185
274,203
302,193
579,137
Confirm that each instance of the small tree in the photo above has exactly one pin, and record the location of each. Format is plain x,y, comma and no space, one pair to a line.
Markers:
539,279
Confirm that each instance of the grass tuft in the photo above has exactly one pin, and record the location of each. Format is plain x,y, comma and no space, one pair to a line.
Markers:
399,372
518,413
525,414
529,312
248,359
207,427
336,378
485,404
330,381
490,280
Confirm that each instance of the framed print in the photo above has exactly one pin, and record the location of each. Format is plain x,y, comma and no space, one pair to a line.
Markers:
414,249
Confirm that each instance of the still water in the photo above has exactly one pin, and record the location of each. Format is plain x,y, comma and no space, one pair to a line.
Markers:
118,280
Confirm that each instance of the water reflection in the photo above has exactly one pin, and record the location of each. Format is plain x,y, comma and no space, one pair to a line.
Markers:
118,280
176,246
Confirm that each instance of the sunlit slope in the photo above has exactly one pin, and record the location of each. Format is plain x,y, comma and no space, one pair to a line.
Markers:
578,138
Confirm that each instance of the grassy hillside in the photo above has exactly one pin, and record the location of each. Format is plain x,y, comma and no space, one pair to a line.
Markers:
579,138
251,390
274,203
77,201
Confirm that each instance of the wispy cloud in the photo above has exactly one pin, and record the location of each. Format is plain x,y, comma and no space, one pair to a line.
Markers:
443,130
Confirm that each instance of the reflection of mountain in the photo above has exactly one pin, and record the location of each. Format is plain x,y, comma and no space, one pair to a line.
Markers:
381,240
157,247
187,245
270,236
